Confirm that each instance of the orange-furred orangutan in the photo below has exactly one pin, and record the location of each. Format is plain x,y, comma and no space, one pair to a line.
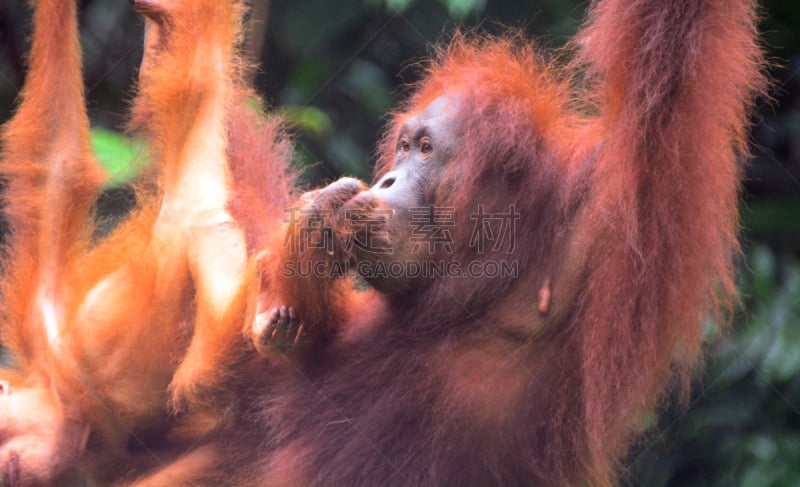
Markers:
543,254
542,243
110,335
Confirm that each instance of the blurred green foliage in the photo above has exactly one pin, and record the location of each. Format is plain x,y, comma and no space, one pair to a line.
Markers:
456,8
742,427
121,157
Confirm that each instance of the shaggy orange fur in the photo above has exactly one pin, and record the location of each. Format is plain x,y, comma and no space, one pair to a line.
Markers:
626,196
106,335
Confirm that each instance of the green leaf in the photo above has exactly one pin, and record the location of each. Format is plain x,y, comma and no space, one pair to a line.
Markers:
462,8
121,157
311,120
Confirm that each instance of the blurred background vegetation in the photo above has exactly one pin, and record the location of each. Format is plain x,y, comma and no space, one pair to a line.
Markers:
336,68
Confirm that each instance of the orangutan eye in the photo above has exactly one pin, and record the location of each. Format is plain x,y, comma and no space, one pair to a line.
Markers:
404,145
425,146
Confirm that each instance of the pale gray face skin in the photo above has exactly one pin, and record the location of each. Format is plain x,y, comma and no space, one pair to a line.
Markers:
423,150
38,444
